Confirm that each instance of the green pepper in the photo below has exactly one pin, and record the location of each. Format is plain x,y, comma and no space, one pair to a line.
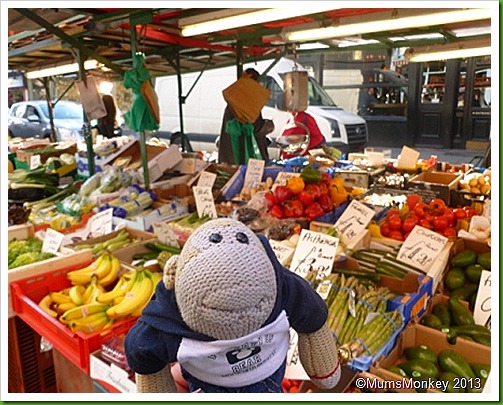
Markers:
310,175
464,259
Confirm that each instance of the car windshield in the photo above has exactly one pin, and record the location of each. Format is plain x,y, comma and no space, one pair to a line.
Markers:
65,111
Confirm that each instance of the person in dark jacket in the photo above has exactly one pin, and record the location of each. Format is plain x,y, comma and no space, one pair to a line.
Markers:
261,127
108,123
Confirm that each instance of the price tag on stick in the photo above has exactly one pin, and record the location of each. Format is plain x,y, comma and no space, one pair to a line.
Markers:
204,202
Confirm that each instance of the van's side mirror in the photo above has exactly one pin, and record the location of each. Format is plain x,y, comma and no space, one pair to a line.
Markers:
280,101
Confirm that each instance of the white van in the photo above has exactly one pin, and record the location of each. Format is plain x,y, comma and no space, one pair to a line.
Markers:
204,107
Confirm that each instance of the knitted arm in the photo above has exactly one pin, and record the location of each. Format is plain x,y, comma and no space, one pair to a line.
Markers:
162,381
320,358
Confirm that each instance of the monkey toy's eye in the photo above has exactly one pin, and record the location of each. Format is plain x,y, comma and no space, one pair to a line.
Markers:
241,237
215,238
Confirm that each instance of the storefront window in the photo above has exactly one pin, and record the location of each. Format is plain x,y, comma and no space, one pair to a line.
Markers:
433,88
482,88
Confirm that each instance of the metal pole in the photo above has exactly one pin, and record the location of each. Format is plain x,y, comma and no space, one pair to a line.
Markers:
181,101
143,145
86,128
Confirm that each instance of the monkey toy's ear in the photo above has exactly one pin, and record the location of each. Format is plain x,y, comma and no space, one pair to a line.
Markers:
170,271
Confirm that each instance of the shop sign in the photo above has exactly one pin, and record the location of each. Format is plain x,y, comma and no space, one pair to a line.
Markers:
16,79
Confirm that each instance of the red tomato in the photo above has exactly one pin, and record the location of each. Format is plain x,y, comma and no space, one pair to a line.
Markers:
393,212
396,235
450,232
412,200
460,213
425,224
451,219
440,223
470,212
409,223
385,229
395,223
419,209
277,211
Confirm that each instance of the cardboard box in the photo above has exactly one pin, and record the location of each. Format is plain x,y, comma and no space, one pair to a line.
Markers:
358,178
190,164
416,335
432,185
24,155
160,160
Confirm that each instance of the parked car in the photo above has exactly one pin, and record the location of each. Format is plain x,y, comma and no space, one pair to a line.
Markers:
30,119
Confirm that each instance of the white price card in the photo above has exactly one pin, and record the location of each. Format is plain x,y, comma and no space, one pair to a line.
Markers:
282,178
205,203
421,248
52,241
315,251
408,158
206,179
35,161
294,369
101,223
283,253
482,309
353,221
254,173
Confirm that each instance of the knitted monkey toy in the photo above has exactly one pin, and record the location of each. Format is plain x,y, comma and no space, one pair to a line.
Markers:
223,311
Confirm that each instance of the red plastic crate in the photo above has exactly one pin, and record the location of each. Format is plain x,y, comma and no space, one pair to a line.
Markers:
76,346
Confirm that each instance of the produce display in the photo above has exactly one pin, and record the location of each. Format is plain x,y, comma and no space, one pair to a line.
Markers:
27,251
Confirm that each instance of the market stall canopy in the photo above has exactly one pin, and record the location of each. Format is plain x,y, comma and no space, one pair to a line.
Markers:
45,37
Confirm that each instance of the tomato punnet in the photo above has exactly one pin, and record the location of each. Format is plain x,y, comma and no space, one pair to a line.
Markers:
426,224
440,223
395,223
385,229
409,223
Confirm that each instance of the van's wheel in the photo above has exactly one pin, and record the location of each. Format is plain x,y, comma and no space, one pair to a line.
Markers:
176,139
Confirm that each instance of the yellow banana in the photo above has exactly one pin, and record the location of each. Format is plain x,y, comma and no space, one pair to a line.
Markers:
88,292
113,274
46,303
60,298
155,277
136,298
83,311
91,324
96,290
83,276
104,268
120,289
65,306
75,294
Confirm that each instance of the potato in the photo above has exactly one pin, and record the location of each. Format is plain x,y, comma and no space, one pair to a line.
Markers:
485,189
481,180
475,190
473,182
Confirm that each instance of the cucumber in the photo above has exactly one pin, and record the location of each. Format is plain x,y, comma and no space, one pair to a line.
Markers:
146,256
420,369
481,370
464,293
452,381
473,273
171,249
397,370
484,259
460,314
450,360
443,313
432,321
464,259
454,279
420,352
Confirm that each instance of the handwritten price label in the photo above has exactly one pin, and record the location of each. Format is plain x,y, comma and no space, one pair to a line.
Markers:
52,241
206,179
482,309
282,178
101,223
254,173
353,221
283,253
204,202
421,248
315,251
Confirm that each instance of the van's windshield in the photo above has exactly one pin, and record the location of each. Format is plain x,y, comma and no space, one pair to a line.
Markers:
317,94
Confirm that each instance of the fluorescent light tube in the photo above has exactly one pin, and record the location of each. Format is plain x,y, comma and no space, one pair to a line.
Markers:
390,24
250,18
451,54
61,70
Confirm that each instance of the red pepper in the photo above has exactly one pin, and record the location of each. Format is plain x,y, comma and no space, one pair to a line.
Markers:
270,200
277,211
293,209
306,197
282,193
314,189
326,202
313,210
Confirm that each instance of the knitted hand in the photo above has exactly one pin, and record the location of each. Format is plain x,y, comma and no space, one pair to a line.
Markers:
320,358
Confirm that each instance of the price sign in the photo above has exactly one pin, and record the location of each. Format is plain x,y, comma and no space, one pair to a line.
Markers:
35,161
254,173
282,178
206,179
204,202
421,248
283,253
353,221
482,309
52,241
294,369
315,251
101,223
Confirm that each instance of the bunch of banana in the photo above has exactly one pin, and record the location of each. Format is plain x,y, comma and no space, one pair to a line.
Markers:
105,268
135,295
122,239
87,318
